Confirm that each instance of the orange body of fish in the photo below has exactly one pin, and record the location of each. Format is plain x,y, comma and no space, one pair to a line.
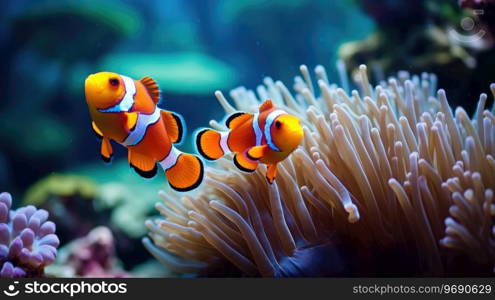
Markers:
267,137
125,110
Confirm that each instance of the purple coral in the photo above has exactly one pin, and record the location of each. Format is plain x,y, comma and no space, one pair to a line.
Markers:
27,240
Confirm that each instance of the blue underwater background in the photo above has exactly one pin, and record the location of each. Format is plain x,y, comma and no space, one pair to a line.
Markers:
48,154
191,48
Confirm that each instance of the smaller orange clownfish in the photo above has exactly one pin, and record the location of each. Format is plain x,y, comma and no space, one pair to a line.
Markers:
267,137
125,110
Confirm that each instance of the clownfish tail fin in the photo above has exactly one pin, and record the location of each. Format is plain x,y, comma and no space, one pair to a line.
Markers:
212,144
184,171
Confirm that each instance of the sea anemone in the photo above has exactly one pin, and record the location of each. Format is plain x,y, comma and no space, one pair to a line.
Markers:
27,240
388,181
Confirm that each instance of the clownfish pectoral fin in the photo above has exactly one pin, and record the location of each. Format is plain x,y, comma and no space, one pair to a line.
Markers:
106,150
266,105
236,119
271,173
131,121
174,125
142,164
152,88
209,144
96,131
243,163
187,172
257,152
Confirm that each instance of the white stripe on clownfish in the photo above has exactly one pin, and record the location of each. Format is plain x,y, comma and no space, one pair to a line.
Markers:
126,103
171,158
142,124
268,126
257,130
224,136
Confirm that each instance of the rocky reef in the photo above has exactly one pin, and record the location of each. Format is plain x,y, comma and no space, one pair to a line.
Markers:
90,256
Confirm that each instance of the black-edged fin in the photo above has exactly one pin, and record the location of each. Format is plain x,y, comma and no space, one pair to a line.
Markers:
271,173
257,152
187,173
96,131
146,174
106,150
236,119
208,144
152,88
173,124
266,105
243,163
106,160
142,164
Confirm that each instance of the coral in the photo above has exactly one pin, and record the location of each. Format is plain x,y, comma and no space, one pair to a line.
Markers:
90,256
59,185
28,241
388,181
69,199
96,197
116,191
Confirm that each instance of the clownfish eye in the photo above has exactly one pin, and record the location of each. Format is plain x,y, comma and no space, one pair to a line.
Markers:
278,124
113,81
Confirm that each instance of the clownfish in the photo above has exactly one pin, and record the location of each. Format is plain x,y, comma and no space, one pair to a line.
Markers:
268,136
125,110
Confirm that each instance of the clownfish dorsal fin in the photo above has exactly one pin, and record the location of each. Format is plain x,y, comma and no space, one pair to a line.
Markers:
236,119
266,105
173,124
152,88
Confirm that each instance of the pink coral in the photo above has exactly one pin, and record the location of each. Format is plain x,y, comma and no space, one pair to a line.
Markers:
94,255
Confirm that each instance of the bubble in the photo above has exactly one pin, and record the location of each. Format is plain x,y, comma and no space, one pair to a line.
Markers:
467,24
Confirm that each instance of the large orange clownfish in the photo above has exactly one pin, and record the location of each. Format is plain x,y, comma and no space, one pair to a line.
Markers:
267,137
125,110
